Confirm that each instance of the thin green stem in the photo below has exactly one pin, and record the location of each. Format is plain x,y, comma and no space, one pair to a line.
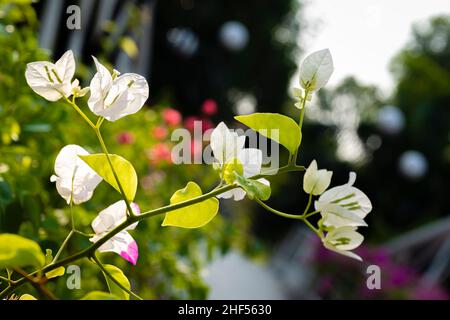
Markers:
308,205
81,113
316,231
63,245
5,279
116,177
109,275
300,123
280,213
311,214
289,216
83,233
72,219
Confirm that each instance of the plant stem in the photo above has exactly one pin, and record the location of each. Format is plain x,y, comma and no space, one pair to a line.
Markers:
116,177
81,113
63,245
36,284
300,124
279,213
308,205
289,216
109,275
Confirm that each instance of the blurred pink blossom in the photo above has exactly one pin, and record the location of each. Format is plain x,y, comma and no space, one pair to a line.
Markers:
209,107
159,132
171,116
125,138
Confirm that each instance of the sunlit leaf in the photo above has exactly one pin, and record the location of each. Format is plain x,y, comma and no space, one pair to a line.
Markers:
316,70
275,126
117,274
16,251
58,272
124,169
254,188
193,216
99,295
27,296
129,46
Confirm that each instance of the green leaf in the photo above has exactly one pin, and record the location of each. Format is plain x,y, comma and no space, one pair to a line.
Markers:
129,46
193,216
124,169
99,295
16,251
117,274
254,188
27,296
288,134
58,272
48,256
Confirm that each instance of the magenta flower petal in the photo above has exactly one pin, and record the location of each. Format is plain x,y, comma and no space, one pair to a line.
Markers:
131,254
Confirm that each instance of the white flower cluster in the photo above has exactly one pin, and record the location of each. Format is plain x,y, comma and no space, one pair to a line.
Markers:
343,209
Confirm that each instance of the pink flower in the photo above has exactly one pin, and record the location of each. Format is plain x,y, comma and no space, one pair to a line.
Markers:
189,122
209,107
160,153
193,122
125,138
171,116
159,132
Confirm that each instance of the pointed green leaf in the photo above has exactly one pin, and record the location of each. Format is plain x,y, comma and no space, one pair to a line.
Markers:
274,126
16,251
58,272
254,188
124,169
193,216
117,274
99,295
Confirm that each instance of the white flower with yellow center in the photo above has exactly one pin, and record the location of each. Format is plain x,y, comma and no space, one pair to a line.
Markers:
52,81
116,96
344,205
232,158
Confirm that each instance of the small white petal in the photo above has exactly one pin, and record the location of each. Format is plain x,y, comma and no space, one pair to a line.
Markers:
127,96
65,67
74,178
251,159
336,216
237,194
316,181
38,80
225,144
316,70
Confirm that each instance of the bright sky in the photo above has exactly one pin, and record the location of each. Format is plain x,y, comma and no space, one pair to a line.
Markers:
364,35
